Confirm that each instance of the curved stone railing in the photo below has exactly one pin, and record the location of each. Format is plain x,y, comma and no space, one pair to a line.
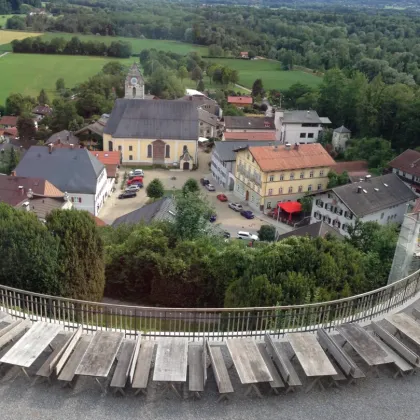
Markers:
213,323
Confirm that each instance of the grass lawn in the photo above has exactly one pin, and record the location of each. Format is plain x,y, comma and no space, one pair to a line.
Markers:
269,71
29,73
3,20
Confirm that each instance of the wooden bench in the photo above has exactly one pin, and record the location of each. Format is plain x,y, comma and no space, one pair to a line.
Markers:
68,372
141,366
355,372
122,370
280,352
401,364
197,368
14,330
416,313
47,368
277,382
220,372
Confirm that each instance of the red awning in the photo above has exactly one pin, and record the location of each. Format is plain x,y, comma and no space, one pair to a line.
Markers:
291,206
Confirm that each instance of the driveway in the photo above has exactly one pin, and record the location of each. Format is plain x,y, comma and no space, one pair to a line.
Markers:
227,219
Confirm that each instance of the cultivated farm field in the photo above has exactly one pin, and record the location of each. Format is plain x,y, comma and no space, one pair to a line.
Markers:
6,37
269,71
29,73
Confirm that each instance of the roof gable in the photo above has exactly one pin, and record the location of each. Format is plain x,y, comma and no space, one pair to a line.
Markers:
260,123
408,161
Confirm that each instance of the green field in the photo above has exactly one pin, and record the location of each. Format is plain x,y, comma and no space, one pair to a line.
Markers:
3,19
29,73
137,44
269,71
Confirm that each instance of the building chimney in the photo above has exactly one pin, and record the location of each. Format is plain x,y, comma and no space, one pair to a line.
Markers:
359,189
50,148
367,177
21,190
296,146
287,146
71,146
59,141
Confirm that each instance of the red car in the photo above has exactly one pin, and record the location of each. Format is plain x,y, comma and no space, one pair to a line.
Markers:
222,197
135,180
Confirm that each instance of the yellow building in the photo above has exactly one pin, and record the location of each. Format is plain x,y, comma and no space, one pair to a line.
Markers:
150,132
266,175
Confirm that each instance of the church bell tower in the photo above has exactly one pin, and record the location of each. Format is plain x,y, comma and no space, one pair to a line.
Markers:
134,83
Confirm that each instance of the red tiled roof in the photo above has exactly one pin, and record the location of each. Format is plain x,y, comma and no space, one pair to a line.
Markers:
10,192
112,158
12,131
246,100
354,166
263,136
111,170
270,158
8,120
408,161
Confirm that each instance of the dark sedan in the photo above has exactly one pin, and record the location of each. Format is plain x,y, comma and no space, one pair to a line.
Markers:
247,214
127,194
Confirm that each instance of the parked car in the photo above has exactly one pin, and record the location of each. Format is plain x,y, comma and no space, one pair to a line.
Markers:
127,194
204,181
210,187
213,218
247,235
226,234
136,172
133,187
247,214
135,180
235,206
222,197
139,184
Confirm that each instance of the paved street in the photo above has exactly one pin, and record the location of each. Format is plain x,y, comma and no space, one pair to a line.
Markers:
228,219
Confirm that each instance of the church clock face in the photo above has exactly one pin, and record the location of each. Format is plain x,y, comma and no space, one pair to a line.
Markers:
134,80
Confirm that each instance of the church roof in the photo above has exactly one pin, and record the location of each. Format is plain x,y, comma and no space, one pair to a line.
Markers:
135,72
145,119
342,129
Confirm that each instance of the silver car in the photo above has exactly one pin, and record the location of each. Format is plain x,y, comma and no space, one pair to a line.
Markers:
235,206
134,188
210,187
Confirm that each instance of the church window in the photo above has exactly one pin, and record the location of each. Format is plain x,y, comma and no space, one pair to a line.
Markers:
134,92
120,148
184,149
130,157
130,148
167,151
149,151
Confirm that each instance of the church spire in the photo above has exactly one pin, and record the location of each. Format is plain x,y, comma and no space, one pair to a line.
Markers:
134,83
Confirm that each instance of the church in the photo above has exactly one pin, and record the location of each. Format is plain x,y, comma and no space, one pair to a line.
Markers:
152,132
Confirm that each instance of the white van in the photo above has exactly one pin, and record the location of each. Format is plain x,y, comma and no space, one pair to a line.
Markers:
138,172
247,235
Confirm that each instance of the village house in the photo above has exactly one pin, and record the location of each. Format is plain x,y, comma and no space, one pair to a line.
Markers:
209,125
340,138
249,125
299,127
250,136
383,199
407,167
111,161
268,175
32,194
204,103
244,54
240,101
356,169
41,111
63,137
223,160
8,121
74,171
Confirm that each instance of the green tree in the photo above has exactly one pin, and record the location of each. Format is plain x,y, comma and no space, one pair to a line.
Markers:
26,127
258,88
182,73
197,73
43,98
306,203
191,185
13,160
114,68
29,252
192,215
335,180
17,104
59,84
80,254
200,85
210,71
155,189
267,233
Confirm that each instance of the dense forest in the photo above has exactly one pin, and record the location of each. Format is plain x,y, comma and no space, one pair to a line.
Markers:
319,39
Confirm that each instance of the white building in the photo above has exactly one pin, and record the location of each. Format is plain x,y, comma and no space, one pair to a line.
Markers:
383,199
298,126
223,161
72,170
340,138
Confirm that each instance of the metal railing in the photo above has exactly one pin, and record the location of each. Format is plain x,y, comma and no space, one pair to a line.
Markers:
212,323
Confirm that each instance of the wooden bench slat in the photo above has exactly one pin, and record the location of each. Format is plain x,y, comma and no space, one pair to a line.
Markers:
220,371
285,349
14,332
10,327
277,382
395,344
134,358
280,363
143,365
119,378
336,352
48,366
195,368
69,370
416,313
